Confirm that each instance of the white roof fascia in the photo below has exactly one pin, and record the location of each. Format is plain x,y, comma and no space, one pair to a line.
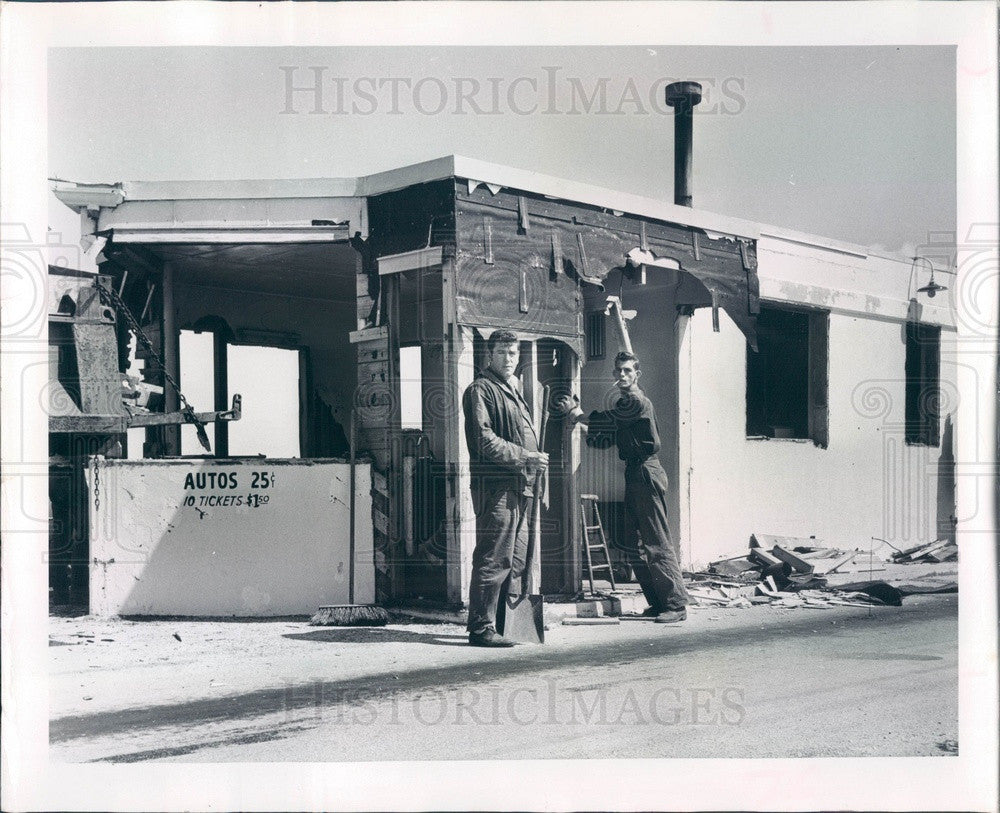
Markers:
239,190
87,196
814,241
393,180
228,214
796,272
854,303
236,235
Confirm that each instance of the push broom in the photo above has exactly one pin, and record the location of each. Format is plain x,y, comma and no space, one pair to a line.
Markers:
351,614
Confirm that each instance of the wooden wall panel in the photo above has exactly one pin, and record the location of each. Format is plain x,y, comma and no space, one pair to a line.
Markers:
516,250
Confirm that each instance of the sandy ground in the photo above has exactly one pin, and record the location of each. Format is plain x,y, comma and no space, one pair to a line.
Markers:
103,664
209,689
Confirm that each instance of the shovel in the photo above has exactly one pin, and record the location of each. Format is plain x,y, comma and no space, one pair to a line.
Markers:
521,619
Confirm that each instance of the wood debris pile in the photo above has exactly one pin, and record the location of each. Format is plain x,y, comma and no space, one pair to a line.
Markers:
793,572
940,551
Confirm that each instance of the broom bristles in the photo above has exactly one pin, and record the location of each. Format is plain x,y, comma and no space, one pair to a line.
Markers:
350,615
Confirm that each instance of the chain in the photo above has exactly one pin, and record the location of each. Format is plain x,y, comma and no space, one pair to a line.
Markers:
110,297
97,487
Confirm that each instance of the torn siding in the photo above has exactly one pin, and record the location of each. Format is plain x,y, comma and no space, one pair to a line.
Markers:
523,260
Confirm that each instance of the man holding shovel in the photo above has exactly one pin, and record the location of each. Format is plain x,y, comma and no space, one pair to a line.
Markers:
630,425
505,460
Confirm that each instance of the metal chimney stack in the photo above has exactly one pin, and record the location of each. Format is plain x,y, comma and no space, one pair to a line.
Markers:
683,96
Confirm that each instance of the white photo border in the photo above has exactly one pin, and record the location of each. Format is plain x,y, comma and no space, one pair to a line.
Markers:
29,781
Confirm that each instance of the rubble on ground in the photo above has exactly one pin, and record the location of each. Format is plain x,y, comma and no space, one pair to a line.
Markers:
942,550
802,572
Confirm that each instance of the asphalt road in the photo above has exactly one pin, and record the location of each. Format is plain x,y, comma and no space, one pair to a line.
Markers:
834,682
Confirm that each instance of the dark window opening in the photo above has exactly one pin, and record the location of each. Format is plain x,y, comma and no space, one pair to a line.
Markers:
787,377
596,333
923,385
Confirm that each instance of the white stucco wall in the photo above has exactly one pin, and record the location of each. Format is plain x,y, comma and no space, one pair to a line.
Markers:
867,483
808,270
159,546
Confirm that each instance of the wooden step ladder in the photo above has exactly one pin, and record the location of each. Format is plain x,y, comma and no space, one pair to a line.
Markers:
594,539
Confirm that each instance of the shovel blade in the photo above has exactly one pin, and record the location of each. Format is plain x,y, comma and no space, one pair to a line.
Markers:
522,621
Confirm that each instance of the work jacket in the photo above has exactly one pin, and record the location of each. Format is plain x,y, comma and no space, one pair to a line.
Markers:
630,425
495,420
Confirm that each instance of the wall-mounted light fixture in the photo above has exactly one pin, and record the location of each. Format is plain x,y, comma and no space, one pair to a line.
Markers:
931,288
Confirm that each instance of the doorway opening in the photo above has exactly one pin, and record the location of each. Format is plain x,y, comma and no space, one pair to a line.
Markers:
268,379
549,367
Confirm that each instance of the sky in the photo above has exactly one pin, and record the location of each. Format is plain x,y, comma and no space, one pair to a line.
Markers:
853,143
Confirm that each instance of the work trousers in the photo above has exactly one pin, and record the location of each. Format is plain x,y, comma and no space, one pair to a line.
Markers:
657,569
501,546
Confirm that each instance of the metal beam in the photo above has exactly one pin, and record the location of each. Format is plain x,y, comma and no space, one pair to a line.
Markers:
410,260
116,424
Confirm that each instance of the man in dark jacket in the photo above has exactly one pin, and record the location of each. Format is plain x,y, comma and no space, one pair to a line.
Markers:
504,459
631,425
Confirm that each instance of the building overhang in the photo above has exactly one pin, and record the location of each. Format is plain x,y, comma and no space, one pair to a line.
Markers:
245,235
336,209
89,197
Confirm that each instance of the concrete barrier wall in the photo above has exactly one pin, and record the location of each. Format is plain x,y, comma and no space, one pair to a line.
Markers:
241,537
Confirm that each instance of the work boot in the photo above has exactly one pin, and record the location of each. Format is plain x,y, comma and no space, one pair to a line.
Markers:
671,617
489,638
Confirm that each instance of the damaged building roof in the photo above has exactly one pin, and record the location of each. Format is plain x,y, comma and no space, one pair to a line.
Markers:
93,196
292,210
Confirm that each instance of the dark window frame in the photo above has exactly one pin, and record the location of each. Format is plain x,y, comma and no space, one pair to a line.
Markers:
792,341
922,368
